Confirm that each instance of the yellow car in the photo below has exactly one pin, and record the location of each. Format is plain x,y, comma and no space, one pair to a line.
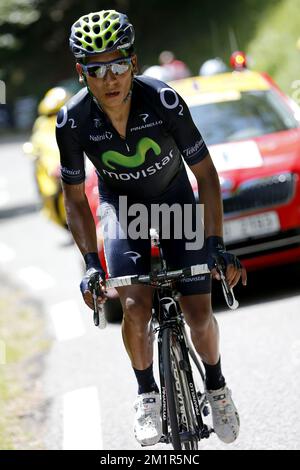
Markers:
43,149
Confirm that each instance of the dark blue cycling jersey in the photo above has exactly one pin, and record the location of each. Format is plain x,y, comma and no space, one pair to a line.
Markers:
144,164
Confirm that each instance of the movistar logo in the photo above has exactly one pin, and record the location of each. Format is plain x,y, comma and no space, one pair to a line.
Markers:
112,158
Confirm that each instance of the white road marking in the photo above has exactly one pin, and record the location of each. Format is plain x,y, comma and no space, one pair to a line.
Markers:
4,197
67,320
3,182
82,420
35,278
6,253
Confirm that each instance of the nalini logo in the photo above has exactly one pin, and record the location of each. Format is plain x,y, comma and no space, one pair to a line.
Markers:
2,93
97,138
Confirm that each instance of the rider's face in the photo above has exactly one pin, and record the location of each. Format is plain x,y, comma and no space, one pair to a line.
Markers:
111,90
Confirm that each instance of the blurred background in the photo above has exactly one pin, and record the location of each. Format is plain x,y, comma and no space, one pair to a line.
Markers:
34,54
58,373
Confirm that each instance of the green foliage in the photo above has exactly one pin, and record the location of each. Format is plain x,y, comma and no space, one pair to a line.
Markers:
34,53
273,48
18,12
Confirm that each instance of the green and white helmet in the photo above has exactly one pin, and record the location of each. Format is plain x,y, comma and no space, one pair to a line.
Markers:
102,31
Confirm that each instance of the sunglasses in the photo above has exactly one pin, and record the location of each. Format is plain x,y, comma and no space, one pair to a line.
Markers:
100,69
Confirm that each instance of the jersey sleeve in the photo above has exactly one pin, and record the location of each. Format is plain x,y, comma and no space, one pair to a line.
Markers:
182,127
71,154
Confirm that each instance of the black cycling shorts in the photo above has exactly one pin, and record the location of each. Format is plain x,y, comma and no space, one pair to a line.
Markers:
128,256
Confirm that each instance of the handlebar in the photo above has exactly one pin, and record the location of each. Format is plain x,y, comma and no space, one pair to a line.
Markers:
156,279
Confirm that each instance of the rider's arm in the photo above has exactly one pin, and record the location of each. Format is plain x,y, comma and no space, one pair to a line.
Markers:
209,195
79,217
78,212
195,153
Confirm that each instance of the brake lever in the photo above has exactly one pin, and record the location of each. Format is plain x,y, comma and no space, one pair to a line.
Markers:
96,310
227,291
99,315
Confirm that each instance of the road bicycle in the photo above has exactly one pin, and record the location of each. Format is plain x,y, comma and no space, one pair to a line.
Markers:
184,404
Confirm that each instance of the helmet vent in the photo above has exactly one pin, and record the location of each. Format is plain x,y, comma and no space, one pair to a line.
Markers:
99,43
100,31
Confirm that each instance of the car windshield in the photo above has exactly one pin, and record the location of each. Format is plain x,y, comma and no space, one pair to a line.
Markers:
253,114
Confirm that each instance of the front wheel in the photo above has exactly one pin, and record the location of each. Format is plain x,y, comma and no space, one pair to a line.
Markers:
180,409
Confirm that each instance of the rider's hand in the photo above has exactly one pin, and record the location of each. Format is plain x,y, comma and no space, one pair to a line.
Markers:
217,255
93,266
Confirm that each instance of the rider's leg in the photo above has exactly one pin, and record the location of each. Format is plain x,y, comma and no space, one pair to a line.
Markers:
205,337
127,256
203,324
138,341
136,331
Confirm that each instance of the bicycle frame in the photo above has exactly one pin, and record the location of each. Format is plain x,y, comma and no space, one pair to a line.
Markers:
170,322
169,316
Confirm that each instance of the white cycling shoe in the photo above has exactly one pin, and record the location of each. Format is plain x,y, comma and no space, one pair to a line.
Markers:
226,421
147,423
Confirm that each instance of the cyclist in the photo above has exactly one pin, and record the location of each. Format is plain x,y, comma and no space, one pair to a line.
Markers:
176,69
213,67
135,130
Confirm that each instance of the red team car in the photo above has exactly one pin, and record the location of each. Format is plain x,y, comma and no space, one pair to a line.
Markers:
252,130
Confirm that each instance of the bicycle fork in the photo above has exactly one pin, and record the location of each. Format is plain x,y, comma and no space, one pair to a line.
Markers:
197,399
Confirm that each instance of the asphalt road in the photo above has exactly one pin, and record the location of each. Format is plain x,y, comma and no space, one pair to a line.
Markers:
88,384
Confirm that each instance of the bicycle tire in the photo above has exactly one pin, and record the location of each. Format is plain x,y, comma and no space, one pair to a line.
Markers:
191,423
169,382
170,363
